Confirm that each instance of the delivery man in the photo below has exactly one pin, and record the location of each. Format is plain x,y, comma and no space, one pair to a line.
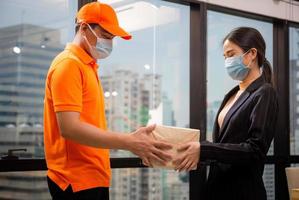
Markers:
76,139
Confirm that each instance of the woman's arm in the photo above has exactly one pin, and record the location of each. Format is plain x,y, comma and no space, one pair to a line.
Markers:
262,118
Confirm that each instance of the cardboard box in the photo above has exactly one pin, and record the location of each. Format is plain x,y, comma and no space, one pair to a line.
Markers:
176,136
295,194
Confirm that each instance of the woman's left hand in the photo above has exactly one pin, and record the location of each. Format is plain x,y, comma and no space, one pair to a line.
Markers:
188,157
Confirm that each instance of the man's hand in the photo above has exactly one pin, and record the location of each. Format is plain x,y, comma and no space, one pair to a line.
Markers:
188,157
147,148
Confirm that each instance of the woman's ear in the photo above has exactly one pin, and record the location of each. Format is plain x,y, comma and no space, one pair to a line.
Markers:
250,57
253,54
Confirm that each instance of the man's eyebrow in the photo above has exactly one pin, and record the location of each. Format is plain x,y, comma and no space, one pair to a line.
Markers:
106,33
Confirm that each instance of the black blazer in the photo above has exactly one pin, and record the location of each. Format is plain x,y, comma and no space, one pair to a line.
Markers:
239,149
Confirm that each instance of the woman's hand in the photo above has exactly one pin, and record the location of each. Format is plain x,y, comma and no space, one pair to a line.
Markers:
188,157
147,148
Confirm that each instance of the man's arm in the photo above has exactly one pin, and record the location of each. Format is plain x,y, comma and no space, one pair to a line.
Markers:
139,142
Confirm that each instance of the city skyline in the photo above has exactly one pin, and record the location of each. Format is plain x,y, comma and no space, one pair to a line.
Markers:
23,67
161,50
29,70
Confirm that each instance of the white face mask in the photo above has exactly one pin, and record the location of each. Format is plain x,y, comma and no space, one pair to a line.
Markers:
102,49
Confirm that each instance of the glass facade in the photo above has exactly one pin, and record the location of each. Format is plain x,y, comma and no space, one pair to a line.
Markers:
24,185
149,184
28,43
146,81
294,90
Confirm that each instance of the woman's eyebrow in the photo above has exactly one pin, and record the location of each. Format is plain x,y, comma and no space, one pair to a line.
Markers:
229,51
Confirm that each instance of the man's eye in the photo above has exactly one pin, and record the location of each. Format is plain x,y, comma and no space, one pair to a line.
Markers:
107,37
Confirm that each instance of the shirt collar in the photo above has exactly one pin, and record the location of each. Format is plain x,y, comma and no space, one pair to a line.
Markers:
256,84
82,55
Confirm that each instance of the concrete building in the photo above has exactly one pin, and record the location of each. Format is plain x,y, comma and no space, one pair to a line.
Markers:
26,52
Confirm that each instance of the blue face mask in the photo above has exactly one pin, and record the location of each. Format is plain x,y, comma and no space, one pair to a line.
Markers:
236,68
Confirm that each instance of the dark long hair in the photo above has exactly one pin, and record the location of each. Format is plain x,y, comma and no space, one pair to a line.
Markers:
247,38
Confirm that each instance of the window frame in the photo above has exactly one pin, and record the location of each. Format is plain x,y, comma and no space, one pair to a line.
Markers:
198,95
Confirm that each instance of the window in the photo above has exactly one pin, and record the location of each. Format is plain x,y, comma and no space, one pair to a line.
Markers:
269,181
153,69
24,185
148,184
219,83
31,35
28,45
294,89
150,74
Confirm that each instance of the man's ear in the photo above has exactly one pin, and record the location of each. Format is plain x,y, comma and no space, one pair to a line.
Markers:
83,28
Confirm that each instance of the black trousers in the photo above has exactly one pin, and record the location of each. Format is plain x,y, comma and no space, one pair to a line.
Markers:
99,193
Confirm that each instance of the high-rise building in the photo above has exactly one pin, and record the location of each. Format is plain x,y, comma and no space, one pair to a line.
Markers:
269,181
128,99
294,99
122,100
294,106
176,186
26,52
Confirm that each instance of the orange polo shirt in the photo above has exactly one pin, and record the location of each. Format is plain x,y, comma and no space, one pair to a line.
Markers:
73,85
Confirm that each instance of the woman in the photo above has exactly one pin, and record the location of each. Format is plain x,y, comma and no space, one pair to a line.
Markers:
244,126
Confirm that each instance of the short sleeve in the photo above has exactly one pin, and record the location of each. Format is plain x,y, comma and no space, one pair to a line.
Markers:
66,86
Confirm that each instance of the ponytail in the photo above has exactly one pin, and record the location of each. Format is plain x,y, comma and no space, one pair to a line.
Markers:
267,72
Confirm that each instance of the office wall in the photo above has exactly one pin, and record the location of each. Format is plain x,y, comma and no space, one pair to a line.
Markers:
273,8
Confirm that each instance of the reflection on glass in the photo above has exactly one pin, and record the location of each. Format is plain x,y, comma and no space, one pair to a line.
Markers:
219,83
294,90
146,80
28,44
269,180
24,185
32,33
153,184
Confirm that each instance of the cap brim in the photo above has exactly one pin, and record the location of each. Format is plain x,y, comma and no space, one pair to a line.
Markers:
117,31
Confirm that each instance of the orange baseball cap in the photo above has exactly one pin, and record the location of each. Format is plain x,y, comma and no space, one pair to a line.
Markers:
104,15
